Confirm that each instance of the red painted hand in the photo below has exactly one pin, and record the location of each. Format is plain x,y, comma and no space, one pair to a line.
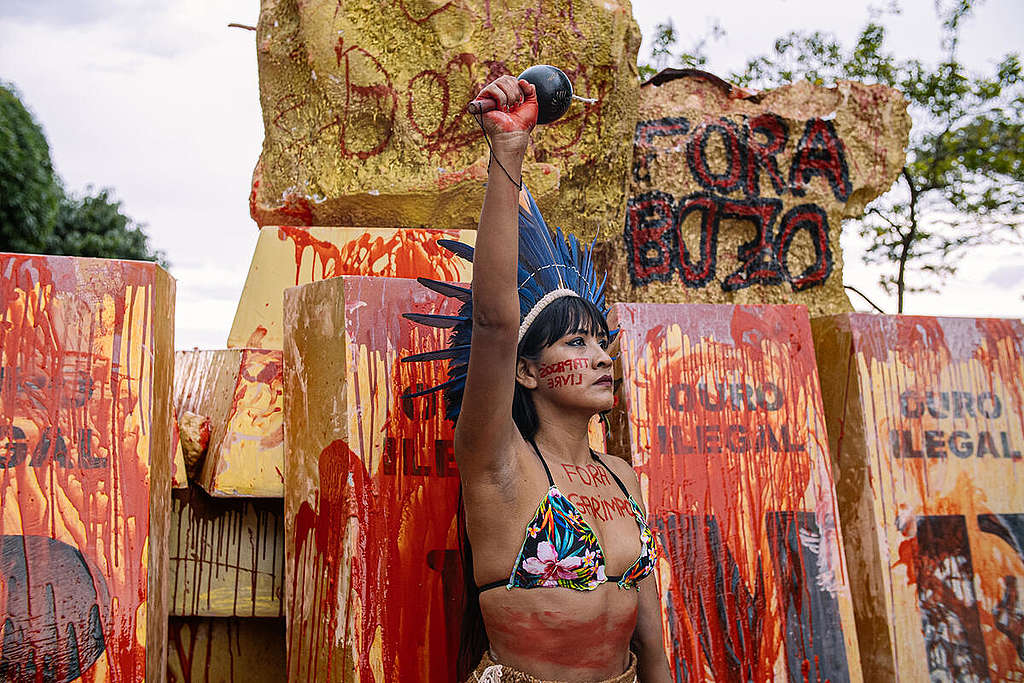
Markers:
509,106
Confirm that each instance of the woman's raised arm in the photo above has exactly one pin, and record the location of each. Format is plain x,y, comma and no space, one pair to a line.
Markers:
485,427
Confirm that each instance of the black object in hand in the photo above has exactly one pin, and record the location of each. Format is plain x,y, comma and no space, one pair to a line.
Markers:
554,93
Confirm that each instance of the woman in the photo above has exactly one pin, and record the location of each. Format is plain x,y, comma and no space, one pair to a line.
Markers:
562,585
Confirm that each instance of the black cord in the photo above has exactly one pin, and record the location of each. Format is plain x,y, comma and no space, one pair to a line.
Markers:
480,120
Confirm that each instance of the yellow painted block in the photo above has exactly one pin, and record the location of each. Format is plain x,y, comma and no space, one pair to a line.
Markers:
289,256
926,426
240,391
364,109
226,556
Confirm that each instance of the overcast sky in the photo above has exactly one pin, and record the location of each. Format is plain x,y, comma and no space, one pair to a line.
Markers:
159,100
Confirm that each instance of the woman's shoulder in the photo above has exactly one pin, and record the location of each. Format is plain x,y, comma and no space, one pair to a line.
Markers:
622,469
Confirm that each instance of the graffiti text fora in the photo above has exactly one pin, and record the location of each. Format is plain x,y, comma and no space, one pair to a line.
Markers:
751,151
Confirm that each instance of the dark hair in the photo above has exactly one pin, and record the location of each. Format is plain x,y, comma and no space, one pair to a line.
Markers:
561,317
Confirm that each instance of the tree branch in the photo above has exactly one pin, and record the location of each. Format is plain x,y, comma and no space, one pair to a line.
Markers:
864,296
906,241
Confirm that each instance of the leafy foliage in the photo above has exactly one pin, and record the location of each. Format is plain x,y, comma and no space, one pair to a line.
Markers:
93,225
665,38
29,192
963,182
37,216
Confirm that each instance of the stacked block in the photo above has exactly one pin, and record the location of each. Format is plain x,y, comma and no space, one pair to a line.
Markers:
374,584
85,467
724,426
926,423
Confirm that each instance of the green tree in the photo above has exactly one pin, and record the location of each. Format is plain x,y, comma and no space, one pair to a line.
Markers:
666,38
38,216
93,225
29,190
963,181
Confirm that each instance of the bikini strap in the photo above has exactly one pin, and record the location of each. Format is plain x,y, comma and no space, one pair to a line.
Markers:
617,480
551,482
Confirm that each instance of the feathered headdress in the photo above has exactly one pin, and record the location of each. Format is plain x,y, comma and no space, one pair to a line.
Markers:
549,269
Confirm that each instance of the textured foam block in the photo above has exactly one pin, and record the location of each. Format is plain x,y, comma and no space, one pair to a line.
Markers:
926,422
373,574
724,425
739,198
85,467
364,109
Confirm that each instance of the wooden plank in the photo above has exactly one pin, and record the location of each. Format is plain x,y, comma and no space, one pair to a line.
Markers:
85,467
240,391
288,256
226,556
726,431
371,488
926,422
205,650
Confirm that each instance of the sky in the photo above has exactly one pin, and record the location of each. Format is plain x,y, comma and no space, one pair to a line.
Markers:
159,100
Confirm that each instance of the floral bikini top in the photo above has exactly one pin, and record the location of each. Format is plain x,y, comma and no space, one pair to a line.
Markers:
560,548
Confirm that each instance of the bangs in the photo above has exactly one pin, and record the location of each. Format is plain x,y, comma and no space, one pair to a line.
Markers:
568,315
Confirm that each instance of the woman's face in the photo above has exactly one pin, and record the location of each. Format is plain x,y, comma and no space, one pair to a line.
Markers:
575,371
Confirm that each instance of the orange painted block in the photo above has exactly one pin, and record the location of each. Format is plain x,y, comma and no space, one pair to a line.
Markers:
288,256
204,650
727,434
85,467
226,556
373,574
240,391
926,422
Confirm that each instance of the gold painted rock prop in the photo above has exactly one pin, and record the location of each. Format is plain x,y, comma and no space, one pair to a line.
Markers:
85,467
926,422
203,650
226,556
738,198
373,574
286,256
726,431
238,393
365,120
